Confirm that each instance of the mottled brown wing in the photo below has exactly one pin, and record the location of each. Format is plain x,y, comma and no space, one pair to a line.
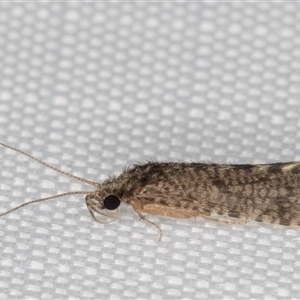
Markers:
266,193
271,197
173,201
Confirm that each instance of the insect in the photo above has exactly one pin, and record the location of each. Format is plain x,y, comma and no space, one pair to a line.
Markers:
267,193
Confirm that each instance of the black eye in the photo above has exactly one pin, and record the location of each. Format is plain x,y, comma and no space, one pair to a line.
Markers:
111,202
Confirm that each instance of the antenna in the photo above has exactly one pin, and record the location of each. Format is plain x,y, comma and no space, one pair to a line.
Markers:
45,199
93,183
90,182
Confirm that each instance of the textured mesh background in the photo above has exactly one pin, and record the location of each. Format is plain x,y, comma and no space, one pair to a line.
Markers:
93,87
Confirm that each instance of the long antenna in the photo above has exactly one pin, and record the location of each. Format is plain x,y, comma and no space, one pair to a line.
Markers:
44,199
93,183
90,182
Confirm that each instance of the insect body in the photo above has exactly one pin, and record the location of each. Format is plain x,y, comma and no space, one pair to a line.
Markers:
265,193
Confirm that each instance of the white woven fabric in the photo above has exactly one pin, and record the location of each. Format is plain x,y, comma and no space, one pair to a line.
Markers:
92,87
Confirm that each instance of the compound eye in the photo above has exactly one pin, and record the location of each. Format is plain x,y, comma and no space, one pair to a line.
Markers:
111,202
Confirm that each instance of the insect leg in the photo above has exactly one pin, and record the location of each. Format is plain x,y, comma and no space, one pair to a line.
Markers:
142,217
